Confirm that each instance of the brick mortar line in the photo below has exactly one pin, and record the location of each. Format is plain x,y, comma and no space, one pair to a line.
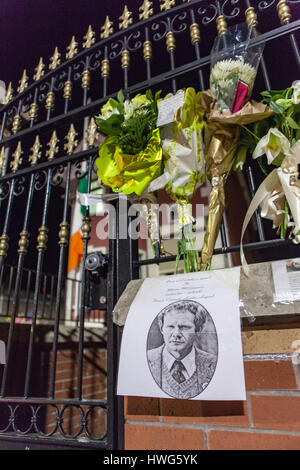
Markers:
275,393
206,439
215,427
268,357
249,408
296,368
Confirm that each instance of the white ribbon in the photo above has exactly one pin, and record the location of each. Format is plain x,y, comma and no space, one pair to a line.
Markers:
280,183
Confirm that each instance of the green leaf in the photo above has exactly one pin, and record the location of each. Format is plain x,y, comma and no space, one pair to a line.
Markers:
275,107
292,123
110,126
121,96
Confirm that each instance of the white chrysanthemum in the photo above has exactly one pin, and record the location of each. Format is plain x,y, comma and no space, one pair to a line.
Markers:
224,69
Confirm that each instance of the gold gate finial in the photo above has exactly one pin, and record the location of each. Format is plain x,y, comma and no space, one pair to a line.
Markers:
53,147
17,159
166,4
89,38
23,82
2,160
107,28
39,70
146,10
36,154
55,59
126,18
91,132
72,48
71,140
8,94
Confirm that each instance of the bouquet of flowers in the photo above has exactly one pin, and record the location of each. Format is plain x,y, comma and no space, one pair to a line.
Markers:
234,66
278,138
228,108
184,170
131,155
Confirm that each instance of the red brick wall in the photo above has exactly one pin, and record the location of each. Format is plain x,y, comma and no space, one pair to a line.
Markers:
268,419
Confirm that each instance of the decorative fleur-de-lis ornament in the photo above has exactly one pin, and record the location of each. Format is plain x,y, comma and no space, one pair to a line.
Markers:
35,149
55,59
23,82
8,94
17,159
53,147
92,133
126,18
39,70
166,4
107,28
2,160
146,10
89,38
71,140
72,48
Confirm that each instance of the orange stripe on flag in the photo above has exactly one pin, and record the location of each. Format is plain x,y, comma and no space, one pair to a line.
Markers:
75,251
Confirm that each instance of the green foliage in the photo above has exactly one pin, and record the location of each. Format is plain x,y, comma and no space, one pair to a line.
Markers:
133,130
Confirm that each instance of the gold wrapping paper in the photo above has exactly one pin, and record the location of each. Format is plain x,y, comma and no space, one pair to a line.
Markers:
221,136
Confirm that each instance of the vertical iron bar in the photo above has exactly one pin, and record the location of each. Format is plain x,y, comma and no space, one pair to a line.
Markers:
27,292
260,228
41,253
11,275
44,294
197,52
105,78
263,63
18,286
148,61
67,100
62,257
51,296
83,294
120,271
6,222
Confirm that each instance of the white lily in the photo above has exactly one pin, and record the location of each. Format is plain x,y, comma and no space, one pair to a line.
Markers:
272,144
296,92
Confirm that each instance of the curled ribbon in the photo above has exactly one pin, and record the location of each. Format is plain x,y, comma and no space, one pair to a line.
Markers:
281,183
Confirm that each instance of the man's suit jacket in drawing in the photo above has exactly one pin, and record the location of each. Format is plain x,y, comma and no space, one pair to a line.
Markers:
193,386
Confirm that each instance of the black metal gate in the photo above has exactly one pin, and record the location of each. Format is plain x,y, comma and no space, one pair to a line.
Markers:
40,158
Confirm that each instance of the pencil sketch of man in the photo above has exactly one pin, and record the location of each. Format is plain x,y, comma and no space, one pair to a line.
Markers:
178,366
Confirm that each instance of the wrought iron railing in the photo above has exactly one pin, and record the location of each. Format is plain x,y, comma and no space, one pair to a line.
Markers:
40,129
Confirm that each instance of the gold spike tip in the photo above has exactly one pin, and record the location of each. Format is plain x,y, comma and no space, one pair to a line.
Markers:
71,143
91,132
89,38
125,18
166,4
107,28
39,70
8,94
55,59
23,82
35,149
53,147
72,48
2,160
17,160
146,10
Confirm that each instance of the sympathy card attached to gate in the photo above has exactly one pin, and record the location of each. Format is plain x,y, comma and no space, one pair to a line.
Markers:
182,338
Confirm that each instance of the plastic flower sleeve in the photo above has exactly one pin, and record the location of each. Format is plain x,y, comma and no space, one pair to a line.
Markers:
234,66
